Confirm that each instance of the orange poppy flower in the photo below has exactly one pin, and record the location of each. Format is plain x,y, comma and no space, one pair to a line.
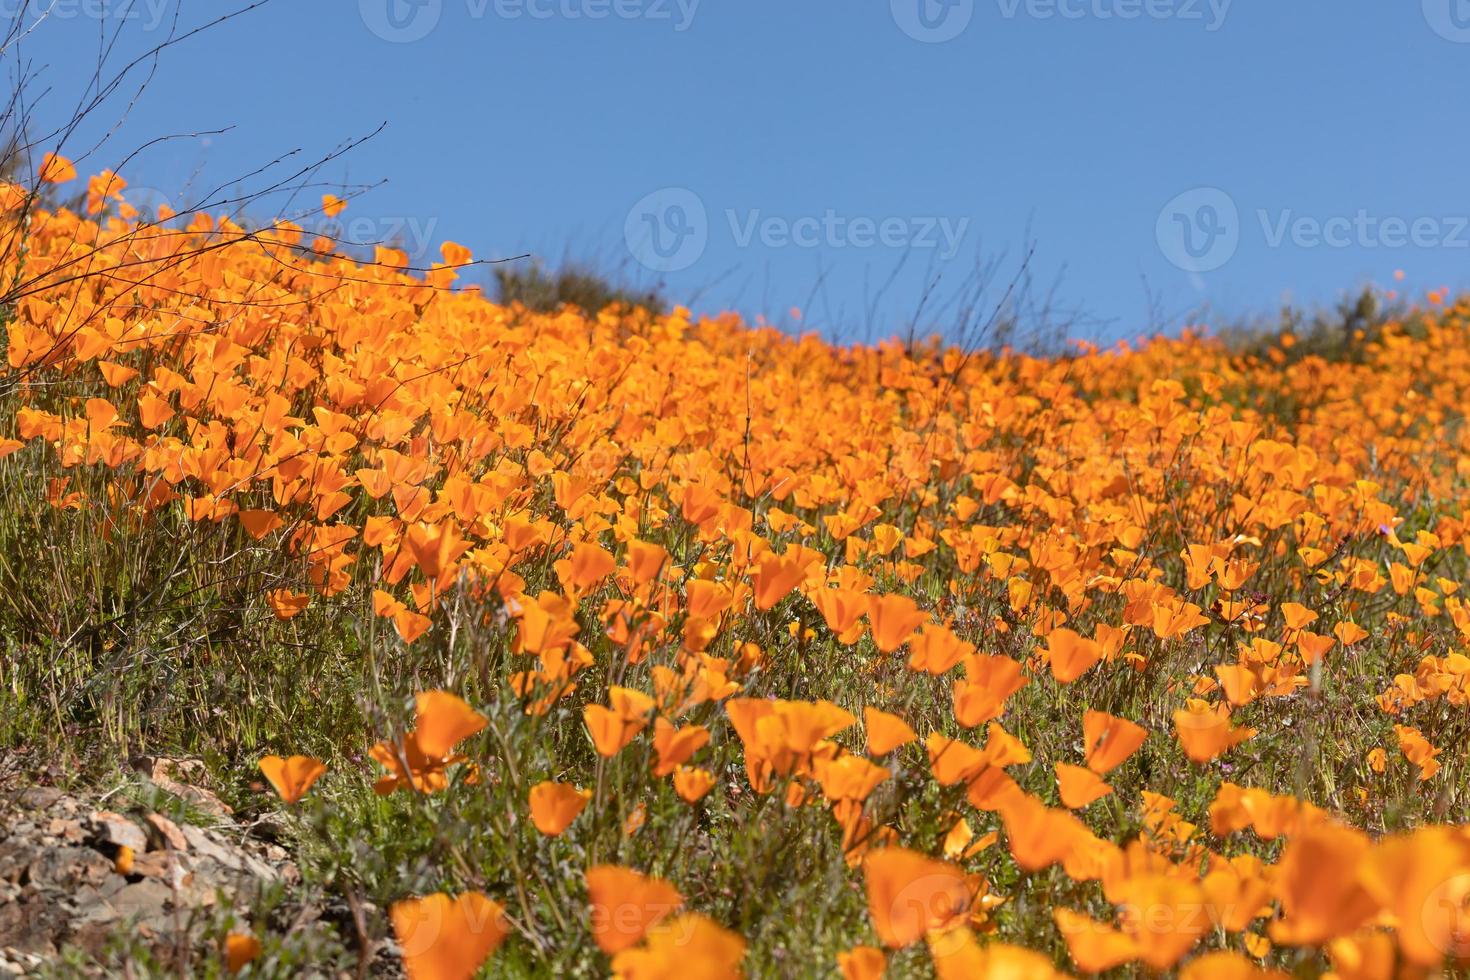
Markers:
420,759
862,963
910,894
1070,654
774,578
1094,946
674,746
626,904
1109,741
285,604
241,949
612,728
936,649
1079,787
1038,835
886,732
56,169
292,777
957,955
688,945
1206,732
692,784
555,805
1320,888
444,938
893,619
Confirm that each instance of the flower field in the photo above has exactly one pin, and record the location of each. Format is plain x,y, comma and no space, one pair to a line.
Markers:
654,646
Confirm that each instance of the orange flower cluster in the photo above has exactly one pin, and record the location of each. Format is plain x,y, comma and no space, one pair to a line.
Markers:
691,528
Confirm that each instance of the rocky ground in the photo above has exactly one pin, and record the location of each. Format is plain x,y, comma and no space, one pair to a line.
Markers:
99,885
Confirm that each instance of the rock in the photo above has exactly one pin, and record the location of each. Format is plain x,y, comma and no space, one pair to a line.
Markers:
16,963
201,798
70,831
180,777
94,908
114,828
67,868
86,896
32,925
59,887
165,866
205,846
15,860
39,797
147,903
168,832
259,869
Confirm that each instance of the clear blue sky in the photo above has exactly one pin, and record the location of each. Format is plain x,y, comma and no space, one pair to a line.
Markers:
793,143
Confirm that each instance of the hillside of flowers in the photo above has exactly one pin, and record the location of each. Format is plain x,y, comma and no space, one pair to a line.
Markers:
590,644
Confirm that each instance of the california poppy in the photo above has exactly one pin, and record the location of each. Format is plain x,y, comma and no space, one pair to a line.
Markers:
1078,786
285,604
1206,732
893,619
292,777
444,938
56,169
910,894
674,746
1070,654
1108,741
692,784
421,757
612,728
862,963
241,949
555,805
688,945
626,904
886,731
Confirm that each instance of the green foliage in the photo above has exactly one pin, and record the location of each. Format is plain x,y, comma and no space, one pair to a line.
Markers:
572,284
1344,332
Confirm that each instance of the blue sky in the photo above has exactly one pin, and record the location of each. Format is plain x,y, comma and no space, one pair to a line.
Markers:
1162,155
